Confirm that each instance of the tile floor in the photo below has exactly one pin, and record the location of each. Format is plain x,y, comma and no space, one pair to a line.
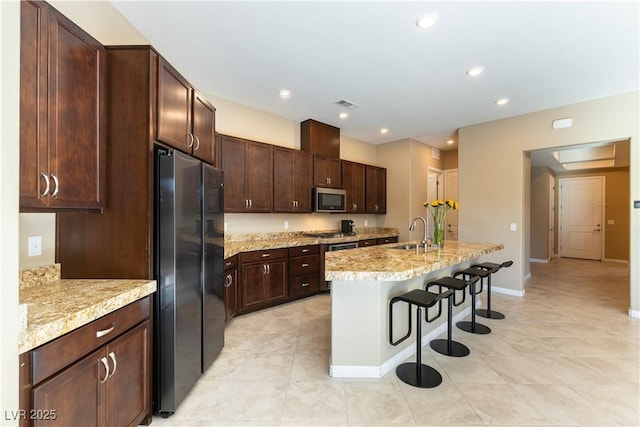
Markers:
567,355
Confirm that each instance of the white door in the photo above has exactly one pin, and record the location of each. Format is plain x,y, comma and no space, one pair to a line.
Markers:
451,192
581,214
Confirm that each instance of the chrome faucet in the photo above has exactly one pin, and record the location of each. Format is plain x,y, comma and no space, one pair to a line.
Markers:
424,240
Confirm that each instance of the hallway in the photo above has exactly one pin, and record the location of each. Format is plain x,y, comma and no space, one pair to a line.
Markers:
567,354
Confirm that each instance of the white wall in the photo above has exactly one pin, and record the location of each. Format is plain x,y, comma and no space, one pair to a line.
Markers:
9,161
493,172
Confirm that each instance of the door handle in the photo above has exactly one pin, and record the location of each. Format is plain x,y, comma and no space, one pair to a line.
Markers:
115,364
106,366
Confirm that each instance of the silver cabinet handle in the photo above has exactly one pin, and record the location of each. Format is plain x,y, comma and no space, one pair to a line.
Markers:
191,139
304,285
355,207
228,281
376,207
106,366
268,269
105,331
46,189
115,364
266,255
305,265
197,143
249,202
328,180
55,181
305,250
264,268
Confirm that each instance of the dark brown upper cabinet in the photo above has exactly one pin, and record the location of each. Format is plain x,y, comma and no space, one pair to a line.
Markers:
353,175
62,108
186,120
292,175
376,189
327,172
248,175
320,138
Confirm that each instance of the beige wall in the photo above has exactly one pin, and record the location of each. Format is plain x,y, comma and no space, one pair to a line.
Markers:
450,159
539,234
493,171
616,236
9,161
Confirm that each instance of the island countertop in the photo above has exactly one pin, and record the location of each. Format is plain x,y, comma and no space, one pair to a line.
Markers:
60,306
385,263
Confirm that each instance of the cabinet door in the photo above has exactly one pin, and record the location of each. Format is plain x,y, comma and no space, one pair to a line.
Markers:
233,153
302,178
259,176
376,190
127,396
326,172
204,129
74,395
253,289
174,109
283,184
276,281
63,158
353,175
231,292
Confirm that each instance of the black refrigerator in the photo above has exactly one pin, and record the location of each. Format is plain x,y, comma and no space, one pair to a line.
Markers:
189,311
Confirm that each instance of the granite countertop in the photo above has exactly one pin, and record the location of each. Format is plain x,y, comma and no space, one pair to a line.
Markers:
56,306
383,263
261,241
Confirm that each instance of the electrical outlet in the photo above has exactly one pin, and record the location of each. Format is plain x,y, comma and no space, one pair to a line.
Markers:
286,225
366,222
35,246
513,226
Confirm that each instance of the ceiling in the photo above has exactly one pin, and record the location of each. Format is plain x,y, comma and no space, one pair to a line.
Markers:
604,154
409,80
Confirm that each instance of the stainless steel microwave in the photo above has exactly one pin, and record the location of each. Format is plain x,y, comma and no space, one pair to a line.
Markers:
329,200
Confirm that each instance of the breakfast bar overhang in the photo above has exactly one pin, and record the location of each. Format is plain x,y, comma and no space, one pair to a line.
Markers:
363,280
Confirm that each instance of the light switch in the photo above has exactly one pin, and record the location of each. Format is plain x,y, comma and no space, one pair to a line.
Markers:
513,226
286,225
35,246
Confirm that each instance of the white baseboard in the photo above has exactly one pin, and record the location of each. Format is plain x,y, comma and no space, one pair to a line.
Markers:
539,261
634,313
621,261
337,371
507,291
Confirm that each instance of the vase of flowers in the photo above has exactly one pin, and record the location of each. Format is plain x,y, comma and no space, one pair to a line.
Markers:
438,210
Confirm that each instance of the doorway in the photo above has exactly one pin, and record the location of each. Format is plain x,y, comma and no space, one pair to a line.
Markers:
580,217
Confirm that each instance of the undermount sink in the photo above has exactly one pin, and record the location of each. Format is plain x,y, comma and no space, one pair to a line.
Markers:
405,247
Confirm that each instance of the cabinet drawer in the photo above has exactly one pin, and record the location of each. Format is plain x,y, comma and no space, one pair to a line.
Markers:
230,262
304,250
303,285
367,242
55,355
257,256
385,240
304,265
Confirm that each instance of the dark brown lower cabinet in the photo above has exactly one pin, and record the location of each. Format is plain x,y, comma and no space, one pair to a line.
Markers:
304,271
264,278
231,287
109,386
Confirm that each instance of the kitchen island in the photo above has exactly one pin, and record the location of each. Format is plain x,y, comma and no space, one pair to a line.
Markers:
363,280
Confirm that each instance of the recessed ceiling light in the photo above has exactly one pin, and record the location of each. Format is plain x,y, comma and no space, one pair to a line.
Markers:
427,20
284,94
475,71
451,141
502,101
343,115
384,131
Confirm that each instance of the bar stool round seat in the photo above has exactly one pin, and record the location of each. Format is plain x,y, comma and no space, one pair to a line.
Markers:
416,373
448,346
473,326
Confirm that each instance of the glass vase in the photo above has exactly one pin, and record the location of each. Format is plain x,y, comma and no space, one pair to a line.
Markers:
438,234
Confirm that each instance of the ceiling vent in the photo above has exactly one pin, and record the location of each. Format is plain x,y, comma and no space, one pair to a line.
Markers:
346,104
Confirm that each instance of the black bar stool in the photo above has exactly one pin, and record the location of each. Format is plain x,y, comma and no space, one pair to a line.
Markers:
473,326
449,347
491,268
415,373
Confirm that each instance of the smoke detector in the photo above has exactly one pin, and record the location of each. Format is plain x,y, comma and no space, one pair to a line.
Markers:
347,104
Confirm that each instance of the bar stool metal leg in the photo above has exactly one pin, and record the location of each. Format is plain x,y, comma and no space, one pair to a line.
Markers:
415,373
472,326
448,346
